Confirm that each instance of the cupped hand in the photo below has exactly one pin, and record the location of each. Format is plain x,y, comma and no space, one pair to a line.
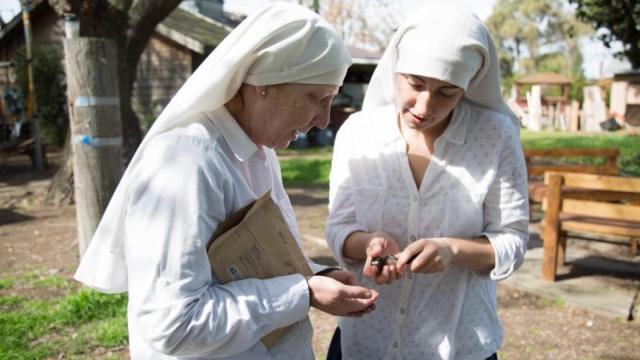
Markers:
337,298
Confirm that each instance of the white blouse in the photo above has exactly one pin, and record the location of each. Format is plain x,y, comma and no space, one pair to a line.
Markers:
475,185
190,179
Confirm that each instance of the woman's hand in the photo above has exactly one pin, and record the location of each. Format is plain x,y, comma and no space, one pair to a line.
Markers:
338,297
381,244
426,256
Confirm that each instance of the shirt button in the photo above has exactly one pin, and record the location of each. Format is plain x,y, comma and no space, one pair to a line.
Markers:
395,345
412,238
402,311
415,197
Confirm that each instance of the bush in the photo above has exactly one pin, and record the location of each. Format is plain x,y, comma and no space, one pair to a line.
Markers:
50,91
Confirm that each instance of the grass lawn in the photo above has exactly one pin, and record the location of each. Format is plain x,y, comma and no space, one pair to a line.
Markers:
297,170
73,324
629,145
305,172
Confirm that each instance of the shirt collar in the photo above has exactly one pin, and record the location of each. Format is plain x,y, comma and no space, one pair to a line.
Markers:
239,142
456,131
390,132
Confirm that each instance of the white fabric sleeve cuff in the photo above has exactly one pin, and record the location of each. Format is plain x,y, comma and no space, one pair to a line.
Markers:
288,299
340,236
508,256
315,267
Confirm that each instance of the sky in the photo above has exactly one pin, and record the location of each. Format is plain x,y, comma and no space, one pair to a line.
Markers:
481,7
598,60
9,8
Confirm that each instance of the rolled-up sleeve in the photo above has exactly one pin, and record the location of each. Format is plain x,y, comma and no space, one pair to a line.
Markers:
180,309
506,208
342,220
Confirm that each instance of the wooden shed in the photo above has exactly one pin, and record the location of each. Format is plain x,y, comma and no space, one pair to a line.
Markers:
625,97
546,80
179,44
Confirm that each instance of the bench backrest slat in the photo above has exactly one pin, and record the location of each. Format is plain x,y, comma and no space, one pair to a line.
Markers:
598,182
563,152
538,170
610,166
601,209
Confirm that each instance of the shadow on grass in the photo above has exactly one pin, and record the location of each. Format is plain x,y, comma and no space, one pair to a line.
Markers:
70,326
9,216
308,200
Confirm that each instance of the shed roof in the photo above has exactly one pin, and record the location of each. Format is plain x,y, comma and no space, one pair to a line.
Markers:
364,57
197,32
194,31
546,78
631,75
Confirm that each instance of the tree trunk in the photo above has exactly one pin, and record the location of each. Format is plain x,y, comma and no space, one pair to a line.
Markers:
60,191
131,132
95,128
143,16
131,24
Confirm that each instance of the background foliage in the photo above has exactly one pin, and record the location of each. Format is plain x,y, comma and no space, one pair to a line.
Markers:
618,20
50,90
538,36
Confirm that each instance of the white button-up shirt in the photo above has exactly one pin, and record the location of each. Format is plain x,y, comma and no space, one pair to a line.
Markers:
189,180
475,185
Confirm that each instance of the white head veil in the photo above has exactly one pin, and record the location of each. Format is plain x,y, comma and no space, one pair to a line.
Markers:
447,43
281,43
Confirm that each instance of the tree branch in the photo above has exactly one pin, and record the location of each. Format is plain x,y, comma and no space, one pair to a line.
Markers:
98,18
144,16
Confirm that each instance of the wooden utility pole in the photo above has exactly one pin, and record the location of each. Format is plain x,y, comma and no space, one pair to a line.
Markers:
32,104
96,130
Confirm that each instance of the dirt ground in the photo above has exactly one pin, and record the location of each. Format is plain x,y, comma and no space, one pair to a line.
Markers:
35,237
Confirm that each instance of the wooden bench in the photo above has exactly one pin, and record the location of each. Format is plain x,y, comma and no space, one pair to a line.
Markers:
541,160
601,216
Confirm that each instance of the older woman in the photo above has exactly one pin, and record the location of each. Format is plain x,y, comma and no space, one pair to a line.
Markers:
430,171
207,155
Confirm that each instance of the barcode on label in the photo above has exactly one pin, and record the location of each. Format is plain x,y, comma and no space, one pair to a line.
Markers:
234,273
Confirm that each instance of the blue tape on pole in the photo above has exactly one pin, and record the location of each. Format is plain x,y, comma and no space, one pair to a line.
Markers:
96,141
88,101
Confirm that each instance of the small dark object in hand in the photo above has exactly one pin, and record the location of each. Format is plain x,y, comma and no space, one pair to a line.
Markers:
381,261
